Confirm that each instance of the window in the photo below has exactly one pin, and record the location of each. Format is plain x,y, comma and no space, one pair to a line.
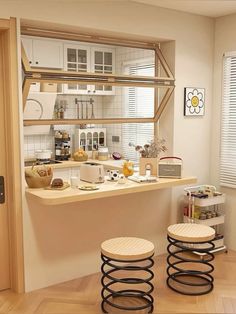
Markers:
139,103
228,123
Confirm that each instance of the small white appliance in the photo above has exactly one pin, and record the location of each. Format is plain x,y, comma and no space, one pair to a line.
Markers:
92,172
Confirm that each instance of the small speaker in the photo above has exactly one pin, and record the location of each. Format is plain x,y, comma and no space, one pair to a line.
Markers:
170,167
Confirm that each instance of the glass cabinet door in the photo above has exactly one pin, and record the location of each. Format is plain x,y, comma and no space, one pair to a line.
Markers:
101,139
95,140
89,141
82,143
77,60
103,62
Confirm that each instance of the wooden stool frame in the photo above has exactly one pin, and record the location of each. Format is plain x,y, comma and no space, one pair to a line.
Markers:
176,273
112,266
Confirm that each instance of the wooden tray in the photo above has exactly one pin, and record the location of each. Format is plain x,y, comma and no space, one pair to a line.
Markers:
65,186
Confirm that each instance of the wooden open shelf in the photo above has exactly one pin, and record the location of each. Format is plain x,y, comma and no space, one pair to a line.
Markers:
33,75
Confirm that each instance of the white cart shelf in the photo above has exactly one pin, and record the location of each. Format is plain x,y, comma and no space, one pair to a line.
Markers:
209,204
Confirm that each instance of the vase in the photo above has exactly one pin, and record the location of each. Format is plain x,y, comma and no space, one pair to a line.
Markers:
149,164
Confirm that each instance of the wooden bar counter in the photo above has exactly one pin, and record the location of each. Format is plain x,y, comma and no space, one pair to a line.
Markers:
107,189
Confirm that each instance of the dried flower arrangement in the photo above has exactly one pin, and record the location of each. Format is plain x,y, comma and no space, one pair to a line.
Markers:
151,150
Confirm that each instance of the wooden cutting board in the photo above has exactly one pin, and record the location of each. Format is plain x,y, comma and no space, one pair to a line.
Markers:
65,186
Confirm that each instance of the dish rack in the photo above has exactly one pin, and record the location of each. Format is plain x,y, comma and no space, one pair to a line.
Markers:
205,206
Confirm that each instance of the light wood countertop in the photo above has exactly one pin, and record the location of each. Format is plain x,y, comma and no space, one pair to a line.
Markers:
116,164
107,189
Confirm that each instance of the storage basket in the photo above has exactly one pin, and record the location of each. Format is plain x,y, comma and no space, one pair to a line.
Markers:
81,158
48,87
38,182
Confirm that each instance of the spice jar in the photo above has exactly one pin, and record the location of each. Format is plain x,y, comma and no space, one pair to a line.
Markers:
203,216
213,214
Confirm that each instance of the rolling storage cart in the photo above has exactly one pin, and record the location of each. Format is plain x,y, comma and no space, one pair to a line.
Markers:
205,206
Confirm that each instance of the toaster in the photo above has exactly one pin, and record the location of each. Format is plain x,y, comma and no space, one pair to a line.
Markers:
91,172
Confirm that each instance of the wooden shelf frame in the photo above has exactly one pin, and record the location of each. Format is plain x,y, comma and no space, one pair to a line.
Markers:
34,75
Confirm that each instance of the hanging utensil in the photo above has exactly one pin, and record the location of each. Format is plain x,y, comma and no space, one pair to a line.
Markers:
82,109
77,107
91,103
86,110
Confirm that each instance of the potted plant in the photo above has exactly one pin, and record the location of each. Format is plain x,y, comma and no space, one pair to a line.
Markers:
149,155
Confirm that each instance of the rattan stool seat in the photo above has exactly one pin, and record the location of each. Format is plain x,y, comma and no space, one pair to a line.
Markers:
127,248
187,232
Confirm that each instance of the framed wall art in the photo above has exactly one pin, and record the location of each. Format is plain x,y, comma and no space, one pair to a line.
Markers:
194,101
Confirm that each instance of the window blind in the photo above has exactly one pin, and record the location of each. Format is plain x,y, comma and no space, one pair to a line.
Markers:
228,123
139,102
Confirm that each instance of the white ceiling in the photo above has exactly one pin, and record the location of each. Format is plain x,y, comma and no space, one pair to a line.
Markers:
211,8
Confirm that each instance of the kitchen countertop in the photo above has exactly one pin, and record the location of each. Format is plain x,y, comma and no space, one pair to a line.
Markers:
116,164
107,189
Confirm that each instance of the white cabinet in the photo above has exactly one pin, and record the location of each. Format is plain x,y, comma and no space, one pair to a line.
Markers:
85,58
90,139
44,53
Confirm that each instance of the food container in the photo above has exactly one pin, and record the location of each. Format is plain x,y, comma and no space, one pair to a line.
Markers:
48,87
42,154
39,176
81,158
38,182
103,153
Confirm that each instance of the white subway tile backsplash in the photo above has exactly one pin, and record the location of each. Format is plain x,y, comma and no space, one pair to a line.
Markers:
104,106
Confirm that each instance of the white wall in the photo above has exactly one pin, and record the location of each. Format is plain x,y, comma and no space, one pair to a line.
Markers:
62,243
225,40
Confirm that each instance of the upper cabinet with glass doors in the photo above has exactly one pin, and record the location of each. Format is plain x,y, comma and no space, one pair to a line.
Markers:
77,59
84,58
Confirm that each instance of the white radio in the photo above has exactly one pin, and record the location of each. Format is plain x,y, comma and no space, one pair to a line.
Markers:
170,167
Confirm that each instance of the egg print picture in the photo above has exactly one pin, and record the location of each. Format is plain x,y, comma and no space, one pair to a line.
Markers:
194,101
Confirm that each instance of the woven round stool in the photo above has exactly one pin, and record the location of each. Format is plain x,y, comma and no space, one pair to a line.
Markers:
127,274
187,274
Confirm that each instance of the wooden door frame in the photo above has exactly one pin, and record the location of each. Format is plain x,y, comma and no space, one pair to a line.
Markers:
13,180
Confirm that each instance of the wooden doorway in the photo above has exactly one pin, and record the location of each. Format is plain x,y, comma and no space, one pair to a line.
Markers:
11,248
4,231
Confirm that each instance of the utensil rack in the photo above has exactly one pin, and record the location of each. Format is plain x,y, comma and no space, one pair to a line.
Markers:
200,198
80,108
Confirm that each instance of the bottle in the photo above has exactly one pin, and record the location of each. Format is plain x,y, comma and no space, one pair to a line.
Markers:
57,150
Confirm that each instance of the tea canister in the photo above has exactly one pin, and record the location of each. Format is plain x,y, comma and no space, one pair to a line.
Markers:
103,153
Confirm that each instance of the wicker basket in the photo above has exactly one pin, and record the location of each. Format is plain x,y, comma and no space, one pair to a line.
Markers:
81,158
38,182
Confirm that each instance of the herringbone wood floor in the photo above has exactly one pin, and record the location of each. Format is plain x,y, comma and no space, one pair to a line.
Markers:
82,296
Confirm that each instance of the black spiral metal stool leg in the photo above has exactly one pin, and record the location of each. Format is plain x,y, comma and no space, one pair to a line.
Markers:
186,274
110,280
127,274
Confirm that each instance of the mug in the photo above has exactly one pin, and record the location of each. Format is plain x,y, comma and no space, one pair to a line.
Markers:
121,179
113,175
